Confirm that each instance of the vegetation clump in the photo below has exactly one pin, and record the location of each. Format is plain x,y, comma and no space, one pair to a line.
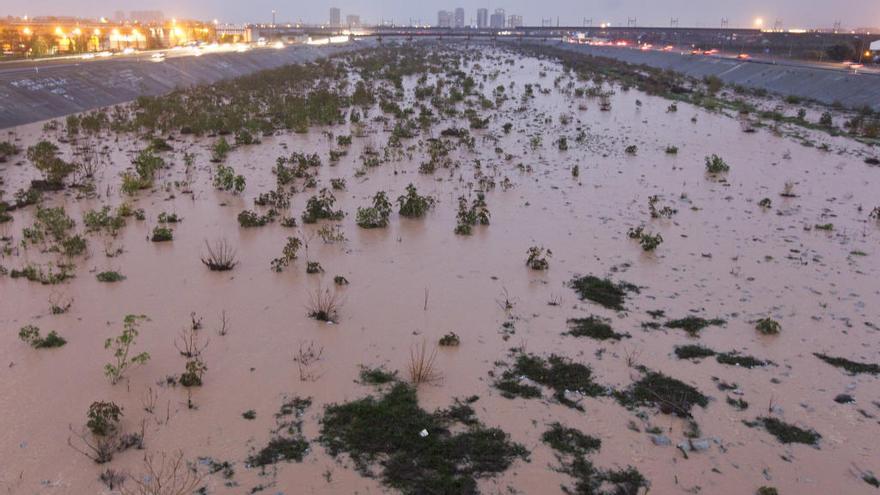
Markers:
417,451
693,352
538,258
375,216
853,367
469,216
735,359
377,376
162,234
451,339
225,179
44,156
672,396
594,327
559,374
693,324
716,165
30,334
320,207
785,432
220,256
288,254
288,442
110,276
413,205
602,291
250,219
103,418
572,448
649,242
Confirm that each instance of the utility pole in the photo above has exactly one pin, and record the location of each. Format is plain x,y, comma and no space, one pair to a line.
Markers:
673,22
630,22
273,18
724,23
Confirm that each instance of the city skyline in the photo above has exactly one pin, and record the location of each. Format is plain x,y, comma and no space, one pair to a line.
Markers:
790,13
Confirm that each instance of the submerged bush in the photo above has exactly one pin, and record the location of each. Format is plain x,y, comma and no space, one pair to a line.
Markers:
476,214
716,165
375,216
413,205
320,207
538,258
30,334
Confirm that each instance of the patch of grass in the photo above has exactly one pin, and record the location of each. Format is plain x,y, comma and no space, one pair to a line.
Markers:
785,432
572,447
738,403
288,443
377,376
110,276
602,291
693,324
593,327
667,393
556,372
693,352
417,451
735,359
850,366
569,440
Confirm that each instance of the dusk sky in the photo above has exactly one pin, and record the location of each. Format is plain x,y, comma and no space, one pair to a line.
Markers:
708,13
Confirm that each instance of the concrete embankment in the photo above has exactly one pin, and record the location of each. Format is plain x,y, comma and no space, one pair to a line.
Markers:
30,95
825,85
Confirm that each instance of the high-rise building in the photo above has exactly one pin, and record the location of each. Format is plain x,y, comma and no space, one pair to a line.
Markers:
335,16
459,18
352,20
496,21
514,21
482,18
444,19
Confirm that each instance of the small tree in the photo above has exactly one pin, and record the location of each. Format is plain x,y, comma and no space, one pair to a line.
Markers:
44,156
121,345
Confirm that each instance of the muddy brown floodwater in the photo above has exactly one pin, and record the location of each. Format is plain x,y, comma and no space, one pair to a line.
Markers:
722,256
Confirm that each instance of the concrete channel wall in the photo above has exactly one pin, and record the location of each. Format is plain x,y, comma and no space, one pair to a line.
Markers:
29,95
825,85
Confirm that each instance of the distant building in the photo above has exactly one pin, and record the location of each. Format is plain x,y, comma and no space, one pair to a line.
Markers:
147,16
482,18
459,18
119,16
444,19
335,17
496,21
352,20
514,21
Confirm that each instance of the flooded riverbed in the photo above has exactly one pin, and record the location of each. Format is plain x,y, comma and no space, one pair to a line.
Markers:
807,261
